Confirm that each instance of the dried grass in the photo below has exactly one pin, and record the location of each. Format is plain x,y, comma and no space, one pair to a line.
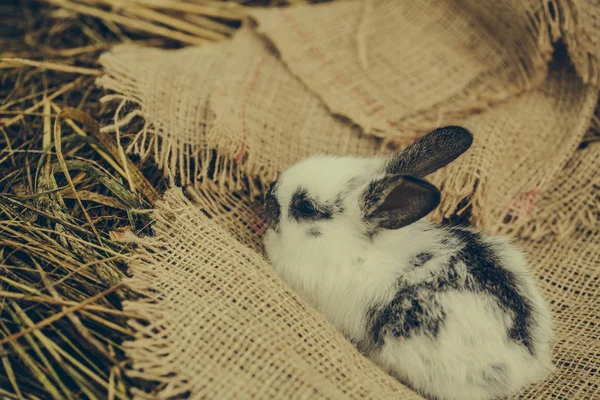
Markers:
67,190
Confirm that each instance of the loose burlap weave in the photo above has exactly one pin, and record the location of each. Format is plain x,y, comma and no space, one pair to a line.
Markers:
369,63
356,77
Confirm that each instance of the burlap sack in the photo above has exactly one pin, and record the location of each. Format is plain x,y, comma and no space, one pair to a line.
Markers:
365,58
246,115
224,327
228,110
518,149
226,118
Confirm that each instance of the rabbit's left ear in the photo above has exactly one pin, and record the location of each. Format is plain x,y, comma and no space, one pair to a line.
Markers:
431,152
398,200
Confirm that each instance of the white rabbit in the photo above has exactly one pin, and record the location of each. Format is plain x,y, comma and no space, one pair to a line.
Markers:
453,313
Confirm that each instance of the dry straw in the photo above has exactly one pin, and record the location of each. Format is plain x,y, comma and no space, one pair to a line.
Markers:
62,323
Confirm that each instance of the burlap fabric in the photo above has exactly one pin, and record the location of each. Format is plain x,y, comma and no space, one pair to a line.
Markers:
368,62
568,267
236,98
226,325
224,119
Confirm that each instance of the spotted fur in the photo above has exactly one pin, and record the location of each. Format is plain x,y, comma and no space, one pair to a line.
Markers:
451,312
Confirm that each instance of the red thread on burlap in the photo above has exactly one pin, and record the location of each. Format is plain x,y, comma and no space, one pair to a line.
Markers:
259,227
251,87
358,92
525,202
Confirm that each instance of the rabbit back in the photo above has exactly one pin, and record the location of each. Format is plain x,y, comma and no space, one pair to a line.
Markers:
475,327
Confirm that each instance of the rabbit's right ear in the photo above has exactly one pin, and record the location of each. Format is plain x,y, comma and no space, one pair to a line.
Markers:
397,200
431,152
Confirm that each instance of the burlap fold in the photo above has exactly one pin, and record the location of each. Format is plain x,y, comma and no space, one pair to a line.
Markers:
519,148
366,58
226,118
228,110
224,327
247,115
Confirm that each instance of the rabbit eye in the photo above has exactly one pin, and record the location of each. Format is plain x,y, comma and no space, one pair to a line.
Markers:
306,208
303,208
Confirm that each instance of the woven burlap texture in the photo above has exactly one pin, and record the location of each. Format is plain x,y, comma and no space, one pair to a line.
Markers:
223,326
246,115
368,64
235,98
225,119
226,325
572,202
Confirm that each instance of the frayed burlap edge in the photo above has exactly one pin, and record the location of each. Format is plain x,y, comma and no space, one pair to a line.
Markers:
576,207
190,165
549,22
183,164
149,347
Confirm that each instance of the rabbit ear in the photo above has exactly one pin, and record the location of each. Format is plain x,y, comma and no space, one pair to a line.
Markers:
398,200
431,152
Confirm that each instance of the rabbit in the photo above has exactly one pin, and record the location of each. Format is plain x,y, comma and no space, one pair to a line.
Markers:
451,312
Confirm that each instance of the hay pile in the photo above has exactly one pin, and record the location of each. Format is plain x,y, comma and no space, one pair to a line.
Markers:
66,190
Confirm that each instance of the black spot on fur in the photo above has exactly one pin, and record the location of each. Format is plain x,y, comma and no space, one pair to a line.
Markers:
495,376
420,259
370,198
413,310
371,232
320,211
489,276
325,212
314,232
272,208
375,190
